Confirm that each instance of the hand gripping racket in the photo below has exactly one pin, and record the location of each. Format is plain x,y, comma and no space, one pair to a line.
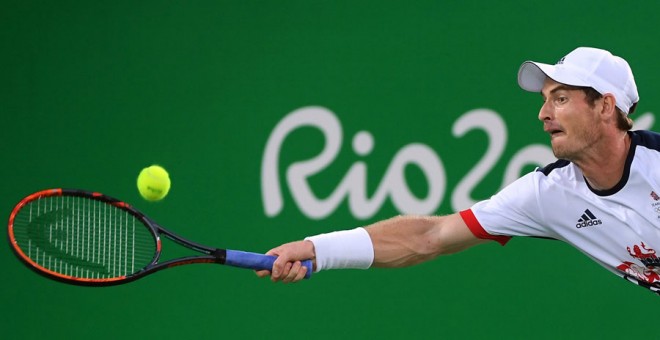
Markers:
90,239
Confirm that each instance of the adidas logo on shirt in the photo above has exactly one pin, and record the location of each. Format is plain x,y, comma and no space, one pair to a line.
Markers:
588,219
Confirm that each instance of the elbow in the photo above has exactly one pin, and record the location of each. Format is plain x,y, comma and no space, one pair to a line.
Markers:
433,245
437,247
447,239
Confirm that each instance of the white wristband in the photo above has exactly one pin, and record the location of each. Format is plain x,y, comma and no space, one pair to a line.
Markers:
343,249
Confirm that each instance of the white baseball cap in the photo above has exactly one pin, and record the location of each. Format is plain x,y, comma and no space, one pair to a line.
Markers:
586,67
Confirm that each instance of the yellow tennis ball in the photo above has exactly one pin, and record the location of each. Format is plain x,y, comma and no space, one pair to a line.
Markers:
153,183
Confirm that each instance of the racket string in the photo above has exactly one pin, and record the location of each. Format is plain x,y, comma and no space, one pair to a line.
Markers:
83,237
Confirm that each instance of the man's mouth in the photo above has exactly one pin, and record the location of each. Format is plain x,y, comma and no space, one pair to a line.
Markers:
554,132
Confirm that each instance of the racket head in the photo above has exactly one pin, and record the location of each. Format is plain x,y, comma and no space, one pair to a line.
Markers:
83,238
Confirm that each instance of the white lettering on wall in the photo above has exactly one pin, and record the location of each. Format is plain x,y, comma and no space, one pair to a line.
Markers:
353,186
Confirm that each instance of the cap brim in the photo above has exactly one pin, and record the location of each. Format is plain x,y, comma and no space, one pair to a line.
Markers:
531,75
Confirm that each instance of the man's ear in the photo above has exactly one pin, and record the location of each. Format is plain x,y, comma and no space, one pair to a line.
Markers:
609,104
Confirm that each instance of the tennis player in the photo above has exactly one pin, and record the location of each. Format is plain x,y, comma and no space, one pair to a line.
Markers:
602,196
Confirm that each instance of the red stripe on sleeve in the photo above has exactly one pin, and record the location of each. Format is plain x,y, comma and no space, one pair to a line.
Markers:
479,231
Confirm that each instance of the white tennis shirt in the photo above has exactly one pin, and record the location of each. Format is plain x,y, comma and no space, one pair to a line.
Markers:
619,228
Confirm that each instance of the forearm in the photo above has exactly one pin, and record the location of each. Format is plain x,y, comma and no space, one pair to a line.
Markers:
405,240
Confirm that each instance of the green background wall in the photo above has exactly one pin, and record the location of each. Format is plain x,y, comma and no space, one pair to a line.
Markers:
92,93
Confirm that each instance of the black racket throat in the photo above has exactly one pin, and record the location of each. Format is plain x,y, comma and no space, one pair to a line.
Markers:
218,255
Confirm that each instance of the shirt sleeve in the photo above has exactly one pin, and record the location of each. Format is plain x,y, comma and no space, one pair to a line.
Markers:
478,230
514,211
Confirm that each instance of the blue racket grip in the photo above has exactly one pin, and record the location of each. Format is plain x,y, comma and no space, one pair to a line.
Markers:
243,259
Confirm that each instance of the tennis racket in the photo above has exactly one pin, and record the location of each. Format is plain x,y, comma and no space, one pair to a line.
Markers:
90,239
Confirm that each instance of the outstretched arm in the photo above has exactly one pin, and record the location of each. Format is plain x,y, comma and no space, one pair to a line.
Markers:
408,240
397,242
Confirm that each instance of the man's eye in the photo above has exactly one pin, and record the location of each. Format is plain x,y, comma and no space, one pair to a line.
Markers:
561,100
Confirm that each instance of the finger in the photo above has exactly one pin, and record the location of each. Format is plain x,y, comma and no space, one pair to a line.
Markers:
282,273
278,267
272,252
287,270
262,273
293,272
301,273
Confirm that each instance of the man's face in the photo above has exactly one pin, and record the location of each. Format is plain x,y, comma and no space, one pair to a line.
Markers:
572,124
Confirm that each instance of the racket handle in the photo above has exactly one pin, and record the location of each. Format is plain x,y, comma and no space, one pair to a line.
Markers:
243,259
